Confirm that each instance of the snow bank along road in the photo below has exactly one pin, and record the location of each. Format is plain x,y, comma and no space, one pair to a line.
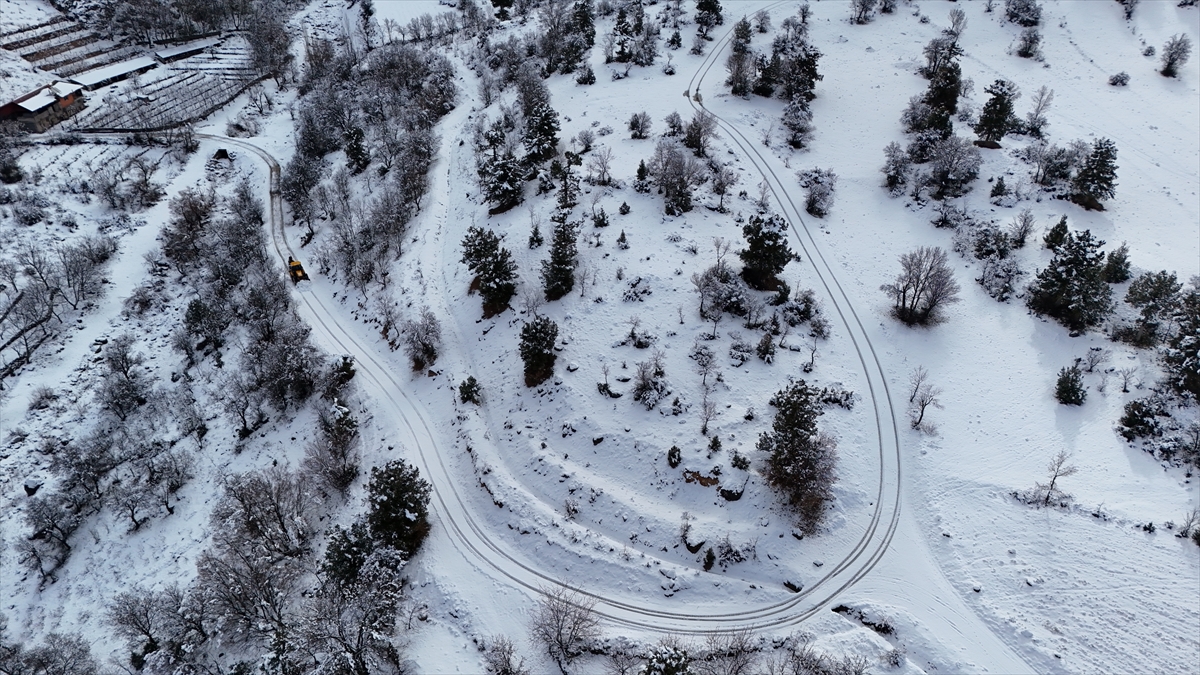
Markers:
494,558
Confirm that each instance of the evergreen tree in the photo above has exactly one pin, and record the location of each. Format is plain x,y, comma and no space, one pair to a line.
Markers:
999,189
1072,288
1156,296
708,14
398,507
1057,234
1116,267
541,132
493,266
797,119
357,156
1182,356
1069,389
535,236
537,349
1097,178
501,180
895,168
742,35
800,461
558,273
997,117
767,251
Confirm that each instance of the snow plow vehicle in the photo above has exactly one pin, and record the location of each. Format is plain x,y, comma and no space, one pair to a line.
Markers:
296,271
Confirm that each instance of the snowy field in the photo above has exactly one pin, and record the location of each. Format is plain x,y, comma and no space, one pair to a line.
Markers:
923,531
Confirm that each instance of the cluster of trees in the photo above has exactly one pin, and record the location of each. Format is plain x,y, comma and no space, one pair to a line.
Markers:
235,284
154,21
130,462
65,653
248,586
379,109
953,161
790,72
634,38
566,626
534,124
40,287
1074,287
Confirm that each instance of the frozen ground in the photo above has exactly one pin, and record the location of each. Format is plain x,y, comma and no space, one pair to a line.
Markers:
1058,590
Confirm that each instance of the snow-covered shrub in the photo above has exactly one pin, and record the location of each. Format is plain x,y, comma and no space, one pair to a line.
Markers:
637,291
999,277
819,185
1140,419
1175,53
1119,80
666,659
1029,44
422,339
801,308
740,351
649,385
1023,12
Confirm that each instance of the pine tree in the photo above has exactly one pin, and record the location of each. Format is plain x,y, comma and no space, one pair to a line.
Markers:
797,119
1116,267
997,117
1097,178
1069,389
742,35
767,251
800,461
1156,296
541,132
708,14
501,181
493,266
558,273
999,189
1072,288
537,349
357,156
398,507
1182,356
1057,234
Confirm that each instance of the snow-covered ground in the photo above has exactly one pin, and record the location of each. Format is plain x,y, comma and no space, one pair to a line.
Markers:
971,579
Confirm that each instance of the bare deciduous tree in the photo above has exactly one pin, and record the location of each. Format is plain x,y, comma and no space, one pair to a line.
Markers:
925,396
1058,468
502,659
916,380
600,164
422,339
1095,358
732,653
926,284
564,622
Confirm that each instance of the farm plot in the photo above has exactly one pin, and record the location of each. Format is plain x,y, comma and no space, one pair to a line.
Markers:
167,97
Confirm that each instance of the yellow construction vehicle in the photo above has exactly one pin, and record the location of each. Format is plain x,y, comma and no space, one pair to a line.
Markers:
296,271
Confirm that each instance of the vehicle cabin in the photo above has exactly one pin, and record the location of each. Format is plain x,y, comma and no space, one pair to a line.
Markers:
296,271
